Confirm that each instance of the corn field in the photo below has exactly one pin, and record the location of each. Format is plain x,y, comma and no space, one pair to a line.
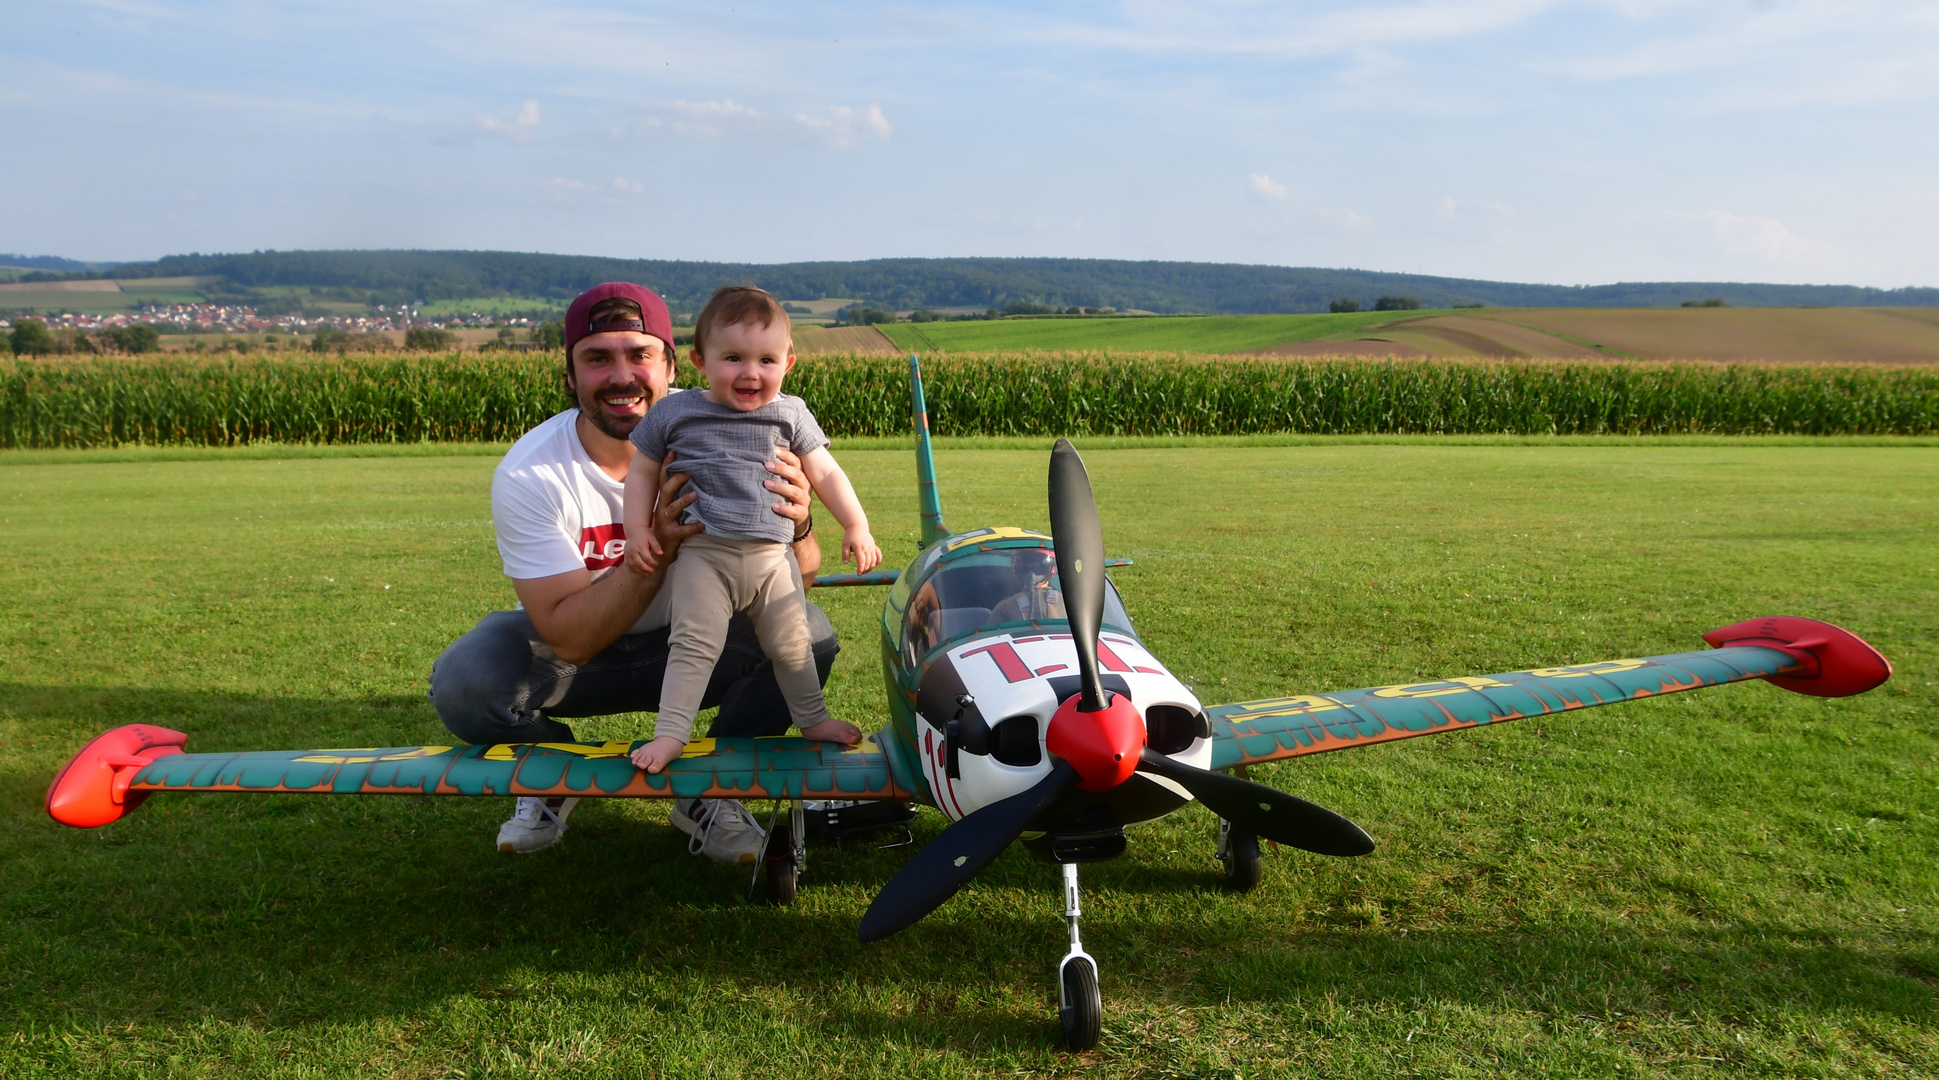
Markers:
496,397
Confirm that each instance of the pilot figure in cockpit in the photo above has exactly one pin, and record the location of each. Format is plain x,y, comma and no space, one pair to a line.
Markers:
1037,600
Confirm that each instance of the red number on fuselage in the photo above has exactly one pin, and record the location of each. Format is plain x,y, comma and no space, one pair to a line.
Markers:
1007,660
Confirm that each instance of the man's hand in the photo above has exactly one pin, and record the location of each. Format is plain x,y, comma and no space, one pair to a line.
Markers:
667,530
791,484
655,755
857,543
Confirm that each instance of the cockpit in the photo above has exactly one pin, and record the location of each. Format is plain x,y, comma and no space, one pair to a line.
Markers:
991,587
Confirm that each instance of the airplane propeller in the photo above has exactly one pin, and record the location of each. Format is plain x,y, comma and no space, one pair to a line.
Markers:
1097,741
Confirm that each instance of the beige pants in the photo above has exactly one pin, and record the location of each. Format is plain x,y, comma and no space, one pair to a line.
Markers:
712,578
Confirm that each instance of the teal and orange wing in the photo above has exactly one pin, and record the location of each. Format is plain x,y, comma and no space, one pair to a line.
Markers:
1801,655
873,577
887,577
118,770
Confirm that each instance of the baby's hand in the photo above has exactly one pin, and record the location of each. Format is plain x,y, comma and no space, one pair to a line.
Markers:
831,730
861,546
655,755
642,557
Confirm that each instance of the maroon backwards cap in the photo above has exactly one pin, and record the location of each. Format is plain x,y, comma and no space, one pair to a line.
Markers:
656,322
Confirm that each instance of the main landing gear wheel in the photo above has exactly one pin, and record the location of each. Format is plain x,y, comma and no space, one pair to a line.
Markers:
1239,853
783,856
1079,1005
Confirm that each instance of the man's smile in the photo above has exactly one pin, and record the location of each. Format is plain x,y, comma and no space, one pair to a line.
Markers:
623,400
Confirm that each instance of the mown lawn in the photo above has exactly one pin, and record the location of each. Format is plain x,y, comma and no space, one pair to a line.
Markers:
1738,882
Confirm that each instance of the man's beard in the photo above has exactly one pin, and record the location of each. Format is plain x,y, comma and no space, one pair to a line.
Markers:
617,427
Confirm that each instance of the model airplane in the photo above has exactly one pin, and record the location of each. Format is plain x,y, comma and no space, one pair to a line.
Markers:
1023,706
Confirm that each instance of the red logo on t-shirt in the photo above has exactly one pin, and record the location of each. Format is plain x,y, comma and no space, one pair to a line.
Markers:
602,545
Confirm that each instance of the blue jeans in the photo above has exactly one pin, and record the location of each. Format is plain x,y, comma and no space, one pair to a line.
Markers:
501,683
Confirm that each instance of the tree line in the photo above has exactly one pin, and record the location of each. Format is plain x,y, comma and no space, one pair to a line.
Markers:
31,337
407,277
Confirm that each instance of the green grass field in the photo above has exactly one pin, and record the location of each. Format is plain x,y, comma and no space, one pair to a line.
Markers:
54,302
1199,334
495,305
1735,882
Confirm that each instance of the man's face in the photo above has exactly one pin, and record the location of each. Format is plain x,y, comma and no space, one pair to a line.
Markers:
745,362
616,376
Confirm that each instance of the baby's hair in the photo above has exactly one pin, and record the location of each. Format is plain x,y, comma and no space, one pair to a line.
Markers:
734,304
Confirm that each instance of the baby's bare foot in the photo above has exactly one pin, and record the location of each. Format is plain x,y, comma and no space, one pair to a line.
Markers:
831,730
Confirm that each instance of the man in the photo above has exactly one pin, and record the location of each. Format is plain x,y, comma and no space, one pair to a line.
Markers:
590,637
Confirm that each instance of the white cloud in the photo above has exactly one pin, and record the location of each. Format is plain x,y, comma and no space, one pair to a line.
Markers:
628,187
1773,241
1345,219
1803,52
1288,31
519,128
1263,187
841,126
1493,220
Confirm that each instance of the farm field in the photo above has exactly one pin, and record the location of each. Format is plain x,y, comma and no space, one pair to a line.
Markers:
1199,334
87,297
101,295
1781,335
1751,335
812,340
1741,881
494,305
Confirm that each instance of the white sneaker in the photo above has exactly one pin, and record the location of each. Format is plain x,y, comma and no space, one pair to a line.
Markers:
536,825
721,829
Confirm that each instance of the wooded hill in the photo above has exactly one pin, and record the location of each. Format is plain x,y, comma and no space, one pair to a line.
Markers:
412,276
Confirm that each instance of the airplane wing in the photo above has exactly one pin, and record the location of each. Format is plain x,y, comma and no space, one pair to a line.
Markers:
1802,655
873,577
115,772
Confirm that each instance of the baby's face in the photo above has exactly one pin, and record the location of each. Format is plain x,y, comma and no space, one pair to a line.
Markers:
744,363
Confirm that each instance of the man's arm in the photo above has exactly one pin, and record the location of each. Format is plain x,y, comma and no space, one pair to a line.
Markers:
578,616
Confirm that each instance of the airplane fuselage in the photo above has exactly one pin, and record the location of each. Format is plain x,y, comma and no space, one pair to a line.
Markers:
976,659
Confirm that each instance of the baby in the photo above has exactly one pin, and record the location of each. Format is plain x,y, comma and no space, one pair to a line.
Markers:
721,438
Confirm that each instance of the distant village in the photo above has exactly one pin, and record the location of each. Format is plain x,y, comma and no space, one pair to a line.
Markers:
239,319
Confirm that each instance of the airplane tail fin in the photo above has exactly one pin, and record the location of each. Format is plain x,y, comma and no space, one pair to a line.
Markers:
929,503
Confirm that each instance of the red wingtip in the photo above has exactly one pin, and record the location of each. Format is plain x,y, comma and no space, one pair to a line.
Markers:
1835,662
92,788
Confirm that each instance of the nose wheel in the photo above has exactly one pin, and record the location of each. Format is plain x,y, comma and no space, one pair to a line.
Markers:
1079,1005
1239,854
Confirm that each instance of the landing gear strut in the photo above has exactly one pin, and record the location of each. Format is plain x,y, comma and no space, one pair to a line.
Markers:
778,871
1079,1006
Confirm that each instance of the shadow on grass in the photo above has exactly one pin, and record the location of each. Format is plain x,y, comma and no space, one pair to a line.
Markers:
285,910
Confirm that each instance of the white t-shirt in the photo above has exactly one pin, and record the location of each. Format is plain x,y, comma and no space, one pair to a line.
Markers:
555,510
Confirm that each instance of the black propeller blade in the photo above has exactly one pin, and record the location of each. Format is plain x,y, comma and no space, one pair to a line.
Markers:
947,863
1080,562
1263,811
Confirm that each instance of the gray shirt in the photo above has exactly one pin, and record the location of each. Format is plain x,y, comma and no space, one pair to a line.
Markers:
724,452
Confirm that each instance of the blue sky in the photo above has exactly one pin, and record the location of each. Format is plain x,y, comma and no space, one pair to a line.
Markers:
1772,140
